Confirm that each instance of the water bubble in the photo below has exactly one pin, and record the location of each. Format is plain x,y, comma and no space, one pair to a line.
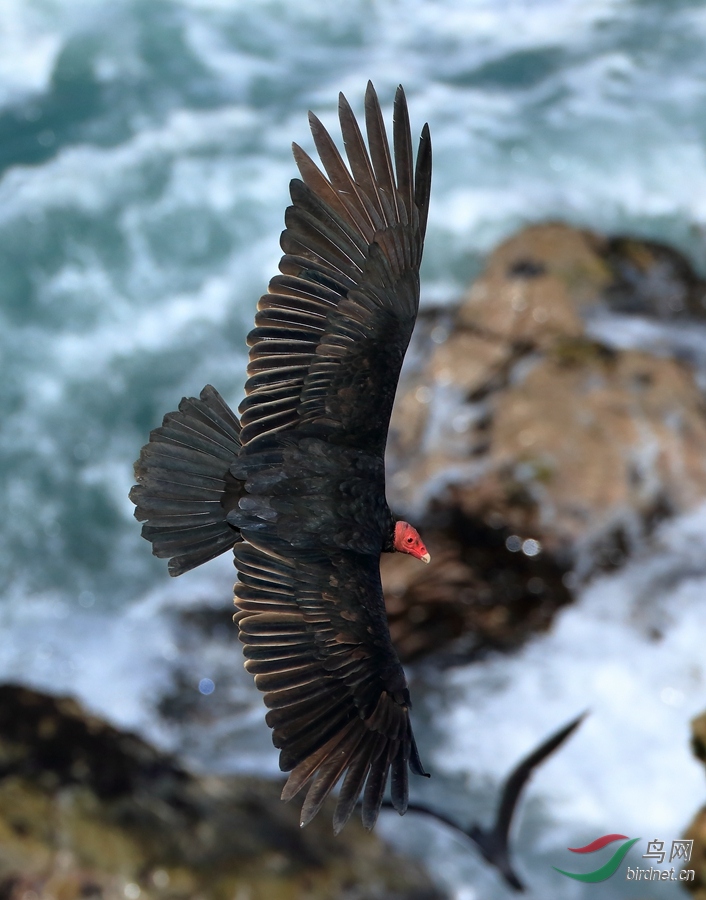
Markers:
514,543
530,547
206,686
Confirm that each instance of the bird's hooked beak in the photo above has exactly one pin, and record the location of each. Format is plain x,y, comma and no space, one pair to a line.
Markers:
407,540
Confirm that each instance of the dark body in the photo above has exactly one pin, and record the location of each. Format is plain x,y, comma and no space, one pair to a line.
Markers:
297,486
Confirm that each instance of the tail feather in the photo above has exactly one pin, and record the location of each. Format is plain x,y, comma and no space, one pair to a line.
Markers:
185,489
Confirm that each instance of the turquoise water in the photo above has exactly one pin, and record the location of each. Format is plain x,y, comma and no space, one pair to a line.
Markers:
144,162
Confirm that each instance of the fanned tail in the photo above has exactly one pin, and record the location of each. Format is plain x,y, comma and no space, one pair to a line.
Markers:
185,489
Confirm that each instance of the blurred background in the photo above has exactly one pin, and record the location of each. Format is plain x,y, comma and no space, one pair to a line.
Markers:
144,168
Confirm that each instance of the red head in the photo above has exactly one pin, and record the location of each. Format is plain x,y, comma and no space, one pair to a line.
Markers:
407,540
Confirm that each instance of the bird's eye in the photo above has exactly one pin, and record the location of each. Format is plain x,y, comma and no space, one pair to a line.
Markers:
410,539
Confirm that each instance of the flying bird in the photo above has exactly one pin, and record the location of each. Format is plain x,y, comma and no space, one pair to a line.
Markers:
494,843
296,486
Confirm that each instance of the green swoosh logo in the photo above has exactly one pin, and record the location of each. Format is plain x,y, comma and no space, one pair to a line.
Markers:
610,868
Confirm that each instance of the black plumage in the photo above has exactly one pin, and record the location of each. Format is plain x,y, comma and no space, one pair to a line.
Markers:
297,486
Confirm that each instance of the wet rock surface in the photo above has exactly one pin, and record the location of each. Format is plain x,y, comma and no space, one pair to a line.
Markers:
530,453
89,811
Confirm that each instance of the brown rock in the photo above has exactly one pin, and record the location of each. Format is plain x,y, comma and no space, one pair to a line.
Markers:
594,443
87,811
520,427
535,285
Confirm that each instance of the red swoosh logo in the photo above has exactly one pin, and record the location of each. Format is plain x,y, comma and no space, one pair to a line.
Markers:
599,843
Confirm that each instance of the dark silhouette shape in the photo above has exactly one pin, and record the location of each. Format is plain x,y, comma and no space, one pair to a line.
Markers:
493,843
297,486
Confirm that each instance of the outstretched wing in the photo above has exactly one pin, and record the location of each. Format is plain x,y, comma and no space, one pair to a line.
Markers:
325,357
520,776
337,695
332,331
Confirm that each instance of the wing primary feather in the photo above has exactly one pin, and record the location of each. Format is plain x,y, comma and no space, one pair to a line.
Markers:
404,164
380,153
338,174
315,179
355,779
340,202
301,774
359,161
422,179
399,780
337,226
328,775
375,785
415,762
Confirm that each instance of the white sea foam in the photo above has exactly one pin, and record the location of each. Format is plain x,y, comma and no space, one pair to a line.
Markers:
29,44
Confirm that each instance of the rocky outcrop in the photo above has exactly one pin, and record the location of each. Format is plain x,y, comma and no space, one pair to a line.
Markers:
88,811
517,433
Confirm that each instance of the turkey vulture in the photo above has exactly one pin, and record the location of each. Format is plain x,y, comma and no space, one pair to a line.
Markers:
297,486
